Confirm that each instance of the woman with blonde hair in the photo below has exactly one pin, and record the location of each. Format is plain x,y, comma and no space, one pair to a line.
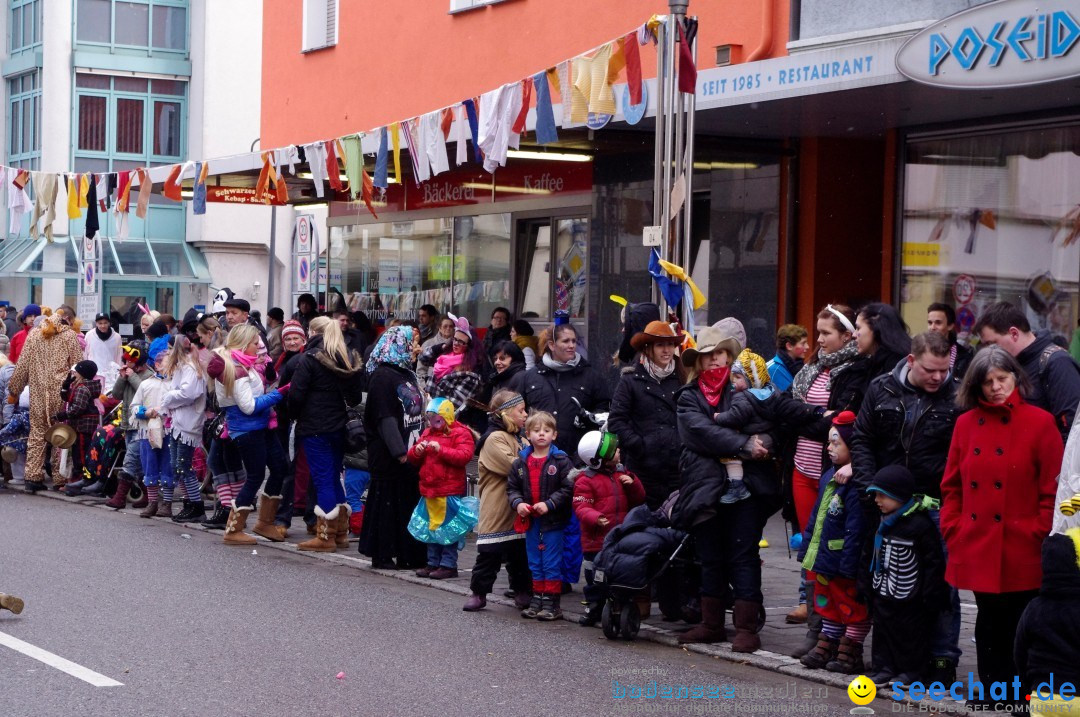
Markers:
328,378
239,391
185,401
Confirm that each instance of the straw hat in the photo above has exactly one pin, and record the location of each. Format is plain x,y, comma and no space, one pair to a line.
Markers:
60,435
711,339
654,331
9,454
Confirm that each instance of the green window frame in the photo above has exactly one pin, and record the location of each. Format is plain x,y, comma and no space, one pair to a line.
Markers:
128,121
150,26
24,25
23,145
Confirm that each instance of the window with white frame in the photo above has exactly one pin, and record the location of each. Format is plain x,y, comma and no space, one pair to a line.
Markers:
24,120
320,24
462,5
24,28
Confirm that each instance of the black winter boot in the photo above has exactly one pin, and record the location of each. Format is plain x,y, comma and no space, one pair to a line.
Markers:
218,519
192,512
593,613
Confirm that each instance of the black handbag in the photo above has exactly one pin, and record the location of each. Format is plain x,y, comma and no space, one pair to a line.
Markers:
213,429
355,433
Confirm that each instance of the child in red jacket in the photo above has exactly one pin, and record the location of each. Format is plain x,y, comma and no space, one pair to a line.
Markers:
442,452
604,493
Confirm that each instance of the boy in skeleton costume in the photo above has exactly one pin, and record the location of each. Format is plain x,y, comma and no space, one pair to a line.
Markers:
906,580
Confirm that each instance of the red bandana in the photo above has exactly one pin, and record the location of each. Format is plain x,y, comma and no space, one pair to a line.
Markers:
712,383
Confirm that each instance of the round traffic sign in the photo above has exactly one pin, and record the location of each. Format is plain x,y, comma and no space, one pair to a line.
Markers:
964,288
633,113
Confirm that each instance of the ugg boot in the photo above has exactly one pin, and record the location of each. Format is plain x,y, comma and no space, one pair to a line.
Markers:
119,499
550,608
341,527
711,628
797,616
264,518
745,617
192,512
12,603
165,509
234,528
849,658
325,535
823,653
219,519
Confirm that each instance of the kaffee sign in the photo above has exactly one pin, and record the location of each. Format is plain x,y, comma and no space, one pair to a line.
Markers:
1009,43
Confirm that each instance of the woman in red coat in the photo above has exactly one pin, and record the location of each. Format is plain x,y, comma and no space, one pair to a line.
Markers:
997,500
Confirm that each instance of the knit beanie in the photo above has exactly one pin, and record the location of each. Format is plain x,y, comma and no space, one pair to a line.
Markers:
844,423
87,369
754,368
157,347
291,327
895,481
31,310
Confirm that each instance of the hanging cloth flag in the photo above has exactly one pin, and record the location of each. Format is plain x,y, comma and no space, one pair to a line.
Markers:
447,122
413,142
461,135
173,184
381,160
333,171
268,177
395,138
474,128
198,194
123,192
566,91
498,109
697,299
367,190
632,54
44,204
354,163
580,90
18,201
102,191
84,190
72,198
146,186
649,31
434,142
601,96
526,99
617,61
92,225
545,118
687,70
671,290
316,160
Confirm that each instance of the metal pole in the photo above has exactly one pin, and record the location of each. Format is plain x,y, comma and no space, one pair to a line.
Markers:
273,259
688,216
658,146
669,107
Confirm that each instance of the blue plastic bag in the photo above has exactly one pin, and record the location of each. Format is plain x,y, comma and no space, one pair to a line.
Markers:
462,513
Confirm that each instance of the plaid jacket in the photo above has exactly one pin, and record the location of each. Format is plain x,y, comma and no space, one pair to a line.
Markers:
459,387
81,412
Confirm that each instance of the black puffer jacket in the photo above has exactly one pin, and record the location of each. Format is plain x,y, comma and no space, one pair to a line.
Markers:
322,389
636,549
554,391
1055,380
643,416
704,443
556,487
903,425
1048,636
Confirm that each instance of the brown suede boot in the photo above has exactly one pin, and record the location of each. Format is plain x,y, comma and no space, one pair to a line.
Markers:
341,525
234,529
165,509
711,628
12,603
745,617
264,519
325,540
119,498
150,510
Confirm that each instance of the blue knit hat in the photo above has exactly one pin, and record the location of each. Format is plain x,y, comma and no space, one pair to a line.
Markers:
31,310
157,347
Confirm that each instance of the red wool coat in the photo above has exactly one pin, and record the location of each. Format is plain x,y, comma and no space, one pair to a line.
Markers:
442,474
597,495
997,496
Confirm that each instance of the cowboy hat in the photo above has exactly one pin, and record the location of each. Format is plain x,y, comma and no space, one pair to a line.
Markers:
9,454
60,435
711,339
654,331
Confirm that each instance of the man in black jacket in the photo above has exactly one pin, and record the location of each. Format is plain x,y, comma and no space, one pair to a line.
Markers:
907,418
1052,371
941,318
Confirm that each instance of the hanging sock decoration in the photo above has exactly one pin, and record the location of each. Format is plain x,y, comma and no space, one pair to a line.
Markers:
316,159
72,198
461,135
44,204
145,188
632,54
333,172
381,160
395,137
92,224
354,163
545,117
367,191
18,201
474,128
434,142
687,70
526,99
198,194
173,184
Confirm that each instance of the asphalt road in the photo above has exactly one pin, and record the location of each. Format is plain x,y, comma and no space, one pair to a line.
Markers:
192,627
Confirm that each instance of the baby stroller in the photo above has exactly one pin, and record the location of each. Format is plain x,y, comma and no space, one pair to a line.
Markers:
105,455
635,555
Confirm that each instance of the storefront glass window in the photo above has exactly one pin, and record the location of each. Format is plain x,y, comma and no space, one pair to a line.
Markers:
571,237
993,217
481,266
533,277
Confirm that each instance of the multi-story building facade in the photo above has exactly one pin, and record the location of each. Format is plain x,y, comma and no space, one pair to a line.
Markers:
107,86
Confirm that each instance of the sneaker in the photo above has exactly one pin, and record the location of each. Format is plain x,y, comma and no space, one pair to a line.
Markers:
534,607
797,616
943,670
475,603
443,574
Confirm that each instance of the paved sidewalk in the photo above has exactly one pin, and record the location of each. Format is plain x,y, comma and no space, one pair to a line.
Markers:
780,578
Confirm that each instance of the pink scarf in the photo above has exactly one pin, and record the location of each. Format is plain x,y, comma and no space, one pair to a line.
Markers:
446,364
244,360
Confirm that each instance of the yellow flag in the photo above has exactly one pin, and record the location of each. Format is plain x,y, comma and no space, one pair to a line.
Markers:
677,272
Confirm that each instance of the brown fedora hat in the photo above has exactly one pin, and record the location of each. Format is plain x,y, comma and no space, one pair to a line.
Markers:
60,435
654,331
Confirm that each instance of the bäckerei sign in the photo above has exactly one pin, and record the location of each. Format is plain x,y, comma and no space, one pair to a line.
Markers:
1008,43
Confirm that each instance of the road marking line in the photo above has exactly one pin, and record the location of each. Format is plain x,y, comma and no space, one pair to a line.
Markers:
75,670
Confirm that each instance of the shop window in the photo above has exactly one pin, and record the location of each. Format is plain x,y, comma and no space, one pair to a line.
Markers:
552,268
993,217
482,265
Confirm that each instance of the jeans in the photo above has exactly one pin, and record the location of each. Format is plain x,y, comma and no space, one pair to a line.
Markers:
325,454
259,449
945,641
224,463
727,546
157,463
132,455
442,556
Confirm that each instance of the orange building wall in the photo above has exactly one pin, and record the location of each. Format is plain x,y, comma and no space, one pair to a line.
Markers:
396,60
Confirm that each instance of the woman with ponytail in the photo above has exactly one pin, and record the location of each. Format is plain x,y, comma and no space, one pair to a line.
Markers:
239,390
328,378
185,402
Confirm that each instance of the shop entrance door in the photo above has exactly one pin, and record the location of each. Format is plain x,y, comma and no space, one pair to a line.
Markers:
123,298
551,268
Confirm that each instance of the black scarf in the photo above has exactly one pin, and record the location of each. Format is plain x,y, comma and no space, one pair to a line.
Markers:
103,336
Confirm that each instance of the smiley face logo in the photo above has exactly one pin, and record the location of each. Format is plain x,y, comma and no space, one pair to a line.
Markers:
862,691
